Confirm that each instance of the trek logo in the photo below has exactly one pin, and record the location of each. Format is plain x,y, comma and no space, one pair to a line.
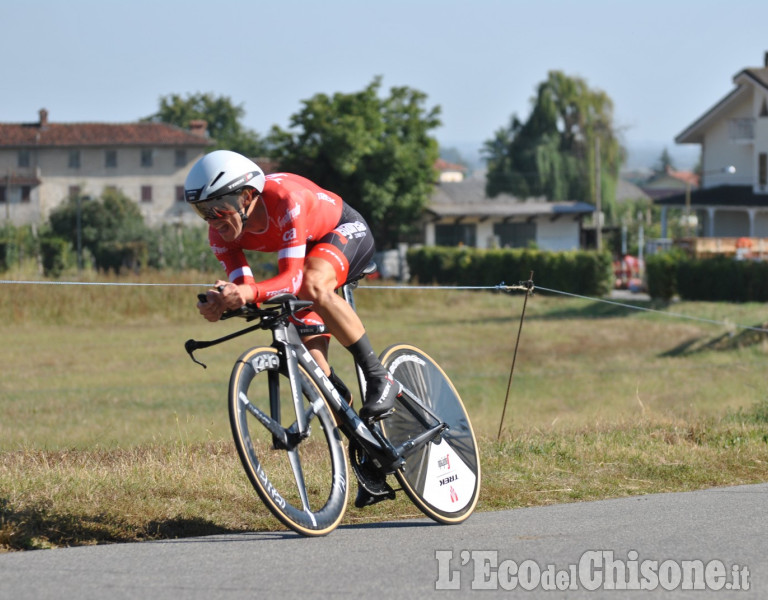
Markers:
454,495
326,197
242,180
449,479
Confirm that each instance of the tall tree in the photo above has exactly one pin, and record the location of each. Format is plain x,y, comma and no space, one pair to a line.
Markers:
223,117
665,162
376,152
553,153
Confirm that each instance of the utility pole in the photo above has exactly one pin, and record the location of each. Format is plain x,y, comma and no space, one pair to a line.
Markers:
598,198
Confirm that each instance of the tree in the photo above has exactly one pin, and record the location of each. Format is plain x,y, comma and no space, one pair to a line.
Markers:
221,115
665,162
553,153
111,229
375,152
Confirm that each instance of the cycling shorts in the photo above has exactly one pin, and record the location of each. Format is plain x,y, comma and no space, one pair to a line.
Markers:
348,249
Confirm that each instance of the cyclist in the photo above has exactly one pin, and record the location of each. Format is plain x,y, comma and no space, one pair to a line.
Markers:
320,242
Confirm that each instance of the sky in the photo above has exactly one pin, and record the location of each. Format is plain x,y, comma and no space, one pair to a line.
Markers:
663,63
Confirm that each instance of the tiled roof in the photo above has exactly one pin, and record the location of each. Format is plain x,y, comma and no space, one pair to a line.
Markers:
97,134
467,198
444,165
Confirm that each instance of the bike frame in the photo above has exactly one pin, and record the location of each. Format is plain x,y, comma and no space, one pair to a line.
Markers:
293,353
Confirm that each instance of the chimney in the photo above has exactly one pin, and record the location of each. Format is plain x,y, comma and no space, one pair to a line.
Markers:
43,118
199,127
765,59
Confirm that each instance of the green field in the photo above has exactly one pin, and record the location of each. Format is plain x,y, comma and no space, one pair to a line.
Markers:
108,432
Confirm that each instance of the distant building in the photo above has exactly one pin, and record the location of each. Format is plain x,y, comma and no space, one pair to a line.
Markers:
732,200
43,163
669,183
460,213
449,172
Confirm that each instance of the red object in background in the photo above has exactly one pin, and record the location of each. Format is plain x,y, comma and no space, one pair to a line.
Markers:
627,272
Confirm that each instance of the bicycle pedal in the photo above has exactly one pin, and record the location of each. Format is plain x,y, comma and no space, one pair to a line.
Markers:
371,420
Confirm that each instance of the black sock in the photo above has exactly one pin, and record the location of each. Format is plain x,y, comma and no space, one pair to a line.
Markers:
367,359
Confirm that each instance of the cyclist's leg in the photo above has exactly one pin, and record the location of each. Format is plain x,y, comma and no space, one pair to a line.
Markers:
344,251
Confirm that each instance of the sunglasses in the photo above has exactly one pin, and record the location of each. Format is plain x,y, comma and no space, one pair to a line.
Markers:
219,207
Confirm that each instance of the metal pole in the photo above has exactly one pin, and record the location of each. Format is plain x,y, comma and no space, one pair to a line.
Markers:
598,197
528,291
79,236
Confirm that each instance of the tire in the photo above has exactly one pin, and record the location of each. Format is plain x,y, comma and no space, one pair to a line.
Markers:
443,478
319,463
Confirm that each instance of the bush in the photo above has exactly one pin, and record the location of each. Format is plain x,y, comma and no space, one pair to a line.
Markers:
719,279
661,274
55,255
578,272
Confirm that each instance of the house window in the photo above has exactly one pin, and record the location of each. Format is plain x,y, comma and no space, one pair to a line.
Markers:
180,193
762,169
23,158
26,193
2,195
74,159
146,193
110,158
515,235
741,129
74,191
456,235
181,158
147,157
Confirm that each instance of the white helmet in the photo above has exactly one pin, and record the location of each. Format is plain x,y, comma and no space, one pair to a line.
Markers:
216,180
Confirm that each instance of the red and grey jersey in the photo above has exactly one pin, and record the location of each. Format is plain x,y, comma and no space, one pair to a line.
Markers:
298,212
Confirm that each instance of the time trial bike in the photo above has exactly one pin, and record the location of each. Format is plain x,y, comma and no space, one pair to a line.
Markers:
288,419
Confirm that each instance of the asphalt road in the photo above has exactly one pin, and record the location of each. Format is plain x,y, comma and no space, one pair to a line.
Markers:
583,549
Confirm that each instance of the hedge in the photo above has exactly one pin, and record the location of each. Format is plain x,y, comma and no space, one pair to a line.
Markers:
711,279
578,272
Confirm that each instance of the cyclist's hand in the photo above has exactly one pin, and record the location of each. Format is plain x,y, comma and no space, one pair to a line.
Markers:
225,296
233,296
211,307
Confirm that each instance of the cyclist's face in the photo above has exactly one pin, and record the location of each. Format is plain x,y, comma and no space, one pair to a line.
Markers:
226,221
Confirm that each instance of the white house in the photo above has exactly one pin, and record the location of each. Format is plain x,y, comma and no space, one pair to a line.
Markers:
460,213
43,163
732,200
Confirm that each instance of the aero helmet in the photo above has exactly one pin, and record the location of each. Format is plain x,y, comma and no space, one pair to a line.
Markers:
215,181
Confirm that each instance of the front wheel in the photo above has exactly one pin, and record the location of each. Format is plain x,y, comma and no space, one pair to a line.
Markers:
442,477
302,480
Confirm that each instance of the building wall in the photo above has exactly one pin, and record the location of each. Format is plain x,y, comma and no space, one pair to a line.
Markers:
721,152
761,224
761,137
562,234
731,223
92,176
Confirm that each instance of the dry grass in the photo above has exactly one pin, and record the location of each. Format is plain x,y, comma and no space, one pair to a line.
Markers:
109,432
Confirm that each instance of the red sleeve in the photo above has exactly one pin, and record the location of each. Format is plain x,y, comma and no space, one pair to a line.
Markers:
233,260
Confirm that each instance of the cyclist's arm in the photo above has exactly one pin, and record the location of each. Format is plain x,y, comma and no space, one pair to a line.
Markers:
291,254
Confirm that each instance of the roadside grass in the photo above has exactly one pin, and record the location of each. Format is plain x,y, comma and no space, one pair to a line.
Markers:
108,432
